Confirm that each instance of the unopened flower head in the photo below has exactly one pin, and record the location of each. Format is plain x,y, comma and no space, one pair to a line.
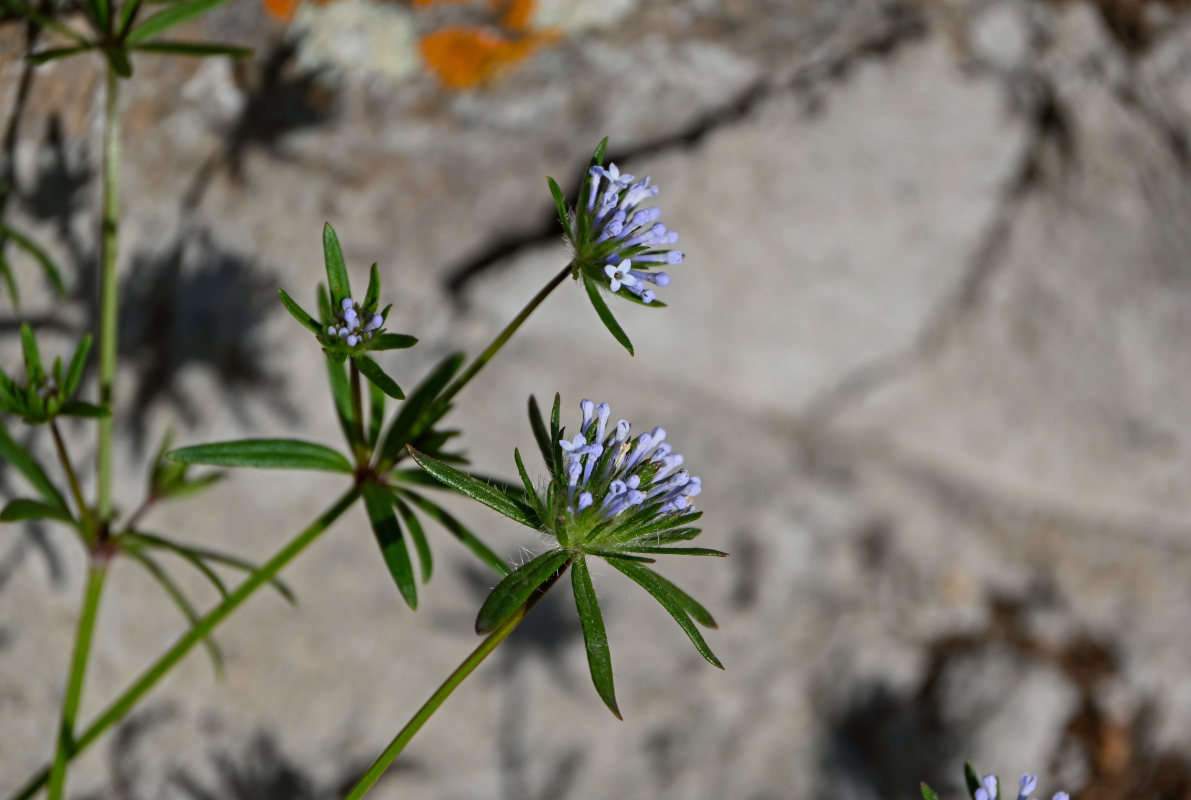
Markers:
1027,784
616,240
354,325
612,475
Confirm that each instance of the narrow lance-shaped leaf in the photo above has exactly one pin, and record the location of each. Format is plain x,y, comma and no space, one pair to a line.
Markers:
24,509
677,551
425,559
410,419
180,601
32,357
44,21
127,15
379,505
376,416
971,778
9,280
459,531
100,12
372,371
169,17
605,314
512,592
392,341
216,556
530,493
25,464
477,490
372,293
265,454
75,373
77,408
540,434
118,58
194,49
299,313
54,53
560,204
928,793
341,394
336,269
659,588
595,638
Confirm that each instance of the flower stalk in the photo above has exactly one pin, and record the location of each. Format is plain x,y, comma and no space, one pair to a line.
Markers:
108,307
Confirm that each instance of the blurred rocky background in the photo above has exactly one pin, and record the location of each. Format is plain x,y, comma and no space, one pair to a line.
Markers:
929,352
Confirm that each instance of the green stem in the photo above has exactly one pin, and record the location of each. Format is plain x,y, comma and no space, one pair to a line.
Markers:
96,572
108,310
448,686
502,337
121,706
75,490
360,445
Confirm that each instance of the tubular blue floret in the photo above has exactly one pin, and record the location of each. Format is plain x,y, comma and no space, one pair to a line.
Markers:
350,328
1028,784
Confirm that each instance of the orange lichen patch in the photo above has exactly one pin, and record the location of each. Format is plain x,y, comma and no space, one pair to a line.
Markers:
516,15
283,10
467,57
425,3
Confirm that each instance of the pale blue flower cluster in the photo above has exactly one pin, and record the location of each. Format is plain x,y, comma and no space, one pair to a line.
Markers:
609,471
1028,784
351,328
630,241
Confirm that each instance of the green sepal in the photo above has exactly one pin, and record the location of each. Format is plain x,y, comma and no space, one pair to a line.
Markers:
595,637
54,53
265,454
372,371
459,531
299,313
560,204
392,341
168,18
605,314
679,604
416,412
425,559
33,368
379,505
194,49
77,408
479,491
75,372
372,294
927,792
517,587
337,280
23,508
25,464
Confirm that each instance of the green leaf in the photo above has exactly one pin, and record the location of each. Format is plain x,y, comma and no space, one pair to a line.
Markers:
187,555
23,509
32,357
324,305
372,294
392,341
379,505
264,454
411,419
77,408
378,376
971,778
9,281
517,587
595,638
44,21
376,418
459,531
180,489
194,49
530,493
540,434
675,601
341,394
118,58
168,18
417,534
560,204
77,363
661,531
336,269
216,556
25,464
928,793
476,490
597,158
299,313
180,600
127,15
100,12
12,397
593,292
677,551
54,53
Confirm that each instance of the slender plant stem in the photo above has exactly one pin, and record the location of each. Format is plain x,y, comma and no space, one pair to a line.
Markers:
108,309
360,444
201,629
502,337
96,571
448,686
73,480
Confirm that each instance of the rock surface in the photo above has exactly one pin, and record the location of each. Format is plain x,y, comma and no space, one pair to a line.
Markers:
926,352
